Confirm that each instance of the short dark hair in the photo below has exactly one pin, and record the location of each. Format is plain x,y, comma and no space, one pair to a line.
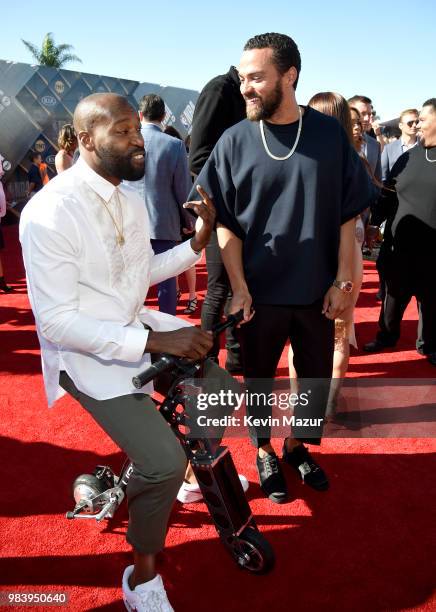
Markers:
285,51
431,102
363,99
33,155
152,107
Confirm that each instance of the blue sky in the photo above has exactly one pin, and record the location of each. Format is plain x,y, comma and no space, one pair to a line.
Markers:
381,49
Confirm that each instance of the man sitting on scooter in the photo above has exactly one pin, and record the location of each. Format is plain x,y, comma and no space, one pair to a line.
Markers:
89,264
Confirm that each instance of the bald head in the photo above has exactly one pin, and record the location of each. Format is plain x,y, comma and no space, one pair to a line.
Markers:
109,135
99,108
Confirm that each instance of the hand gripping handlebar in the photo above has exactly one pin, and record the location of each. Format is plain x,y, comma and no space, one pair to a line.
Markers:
168,362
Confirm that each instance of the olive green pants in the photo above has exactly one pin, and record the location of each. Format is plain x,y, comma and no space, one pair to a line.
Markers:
135,425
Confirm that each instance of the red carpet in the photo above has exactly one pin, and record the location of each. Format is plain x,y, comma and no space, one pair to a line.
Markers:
364,546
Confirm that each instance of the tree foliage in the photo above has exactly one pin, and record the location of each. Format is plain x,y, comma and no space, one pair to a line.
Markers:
51,54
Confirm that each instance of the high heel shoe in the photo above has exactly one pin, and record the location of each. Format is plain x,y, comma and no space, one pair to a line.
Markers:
191,306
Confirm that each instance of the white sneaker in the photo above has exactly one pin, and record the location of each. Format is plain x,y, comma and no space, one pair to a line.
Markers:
189,493
147,597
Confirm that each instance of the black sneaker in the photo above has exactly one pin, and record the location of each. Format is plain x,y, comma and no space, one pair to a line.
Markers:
272,481
311,473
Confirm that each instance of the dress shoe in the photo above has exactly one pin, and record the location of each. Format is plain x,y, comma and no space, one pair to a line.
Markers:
375,346
272,481
303,462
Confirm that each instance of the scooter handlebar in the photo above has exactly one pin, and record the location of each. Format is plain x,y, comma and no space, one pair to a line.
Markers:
164,363
231,321
167,362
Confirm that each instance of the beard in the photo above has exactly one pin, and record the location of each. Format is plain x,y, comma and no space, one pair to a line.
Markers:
267,105
121,166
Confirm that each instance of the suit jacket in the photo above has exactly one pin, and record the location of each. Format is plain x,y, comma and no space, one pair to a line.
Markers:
391,152
373,156
219,106
166,183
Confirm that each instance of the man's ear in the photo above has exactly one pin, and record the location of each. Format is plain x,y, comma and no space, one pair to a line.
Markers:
291,75
86,140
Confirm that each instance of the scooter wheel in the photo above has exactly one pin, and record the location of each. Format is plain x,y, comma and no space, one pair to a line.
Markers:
86,487
252,552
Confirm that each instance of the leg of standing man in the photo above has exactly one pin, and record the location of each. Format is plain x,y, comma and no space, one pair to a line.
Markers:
167,290
217,295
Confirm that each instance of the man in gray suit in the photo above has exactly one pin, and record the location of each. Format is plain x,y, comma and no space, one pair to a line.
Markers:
409,128
371,147
166,185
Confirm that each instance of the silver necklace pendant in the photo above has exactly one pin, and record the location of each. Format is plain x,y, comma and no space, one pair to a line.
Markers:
297,138
432,161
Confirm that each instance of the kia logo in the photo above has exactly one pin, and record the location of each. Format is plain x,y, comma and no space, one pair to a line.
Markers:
50,159
48,101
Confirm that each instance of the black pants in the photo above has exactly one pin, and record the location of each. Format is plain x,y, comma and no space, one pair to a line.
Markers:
406,277
262,342
391,315
167,289
218,296
380,270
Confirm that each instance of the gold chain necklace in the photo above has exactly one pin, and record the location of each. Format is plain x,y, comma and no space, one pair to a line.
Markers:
119,231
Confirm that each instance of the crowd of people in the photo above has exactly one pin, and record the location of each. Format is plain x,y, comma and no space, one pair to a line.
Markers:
283,198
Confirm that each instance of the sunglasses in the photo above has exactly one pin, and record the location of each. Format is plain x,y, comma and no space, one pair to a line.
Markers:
414,122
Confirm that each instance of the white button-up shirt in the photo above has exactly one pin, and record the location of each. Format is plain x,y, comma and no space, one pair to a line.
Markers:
86,291
405,147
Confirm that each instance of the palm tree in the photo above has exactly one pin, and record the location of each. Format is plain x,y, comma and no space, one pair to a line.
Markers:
51,54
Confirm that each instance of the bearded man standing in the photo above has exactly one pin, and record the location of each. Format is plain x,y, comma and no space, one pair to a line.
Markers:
287,187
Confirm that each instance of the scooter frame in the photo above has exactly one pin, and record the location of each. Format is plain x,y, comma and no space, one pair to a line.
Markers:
98,495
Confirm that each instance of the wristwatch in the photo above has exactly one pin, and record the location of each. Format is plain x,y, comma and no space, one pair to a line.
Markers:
345,286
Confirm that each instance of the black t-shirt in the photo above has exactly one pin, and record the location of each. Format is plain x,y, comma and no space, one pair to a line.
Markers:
414,220
34,176
287,213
